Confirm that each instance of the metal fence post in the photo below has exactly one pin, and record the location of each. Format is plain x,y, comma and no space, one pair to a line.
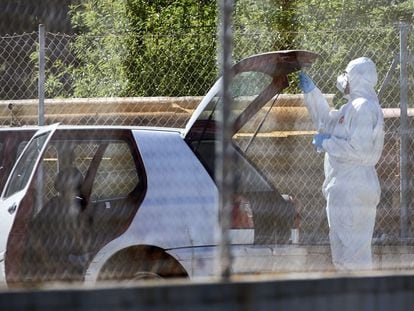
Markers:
41,111
403,131
41,82
224,152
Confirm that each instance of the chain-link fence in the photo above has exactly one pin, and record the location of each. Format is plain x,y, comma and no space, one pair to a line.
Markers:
87,84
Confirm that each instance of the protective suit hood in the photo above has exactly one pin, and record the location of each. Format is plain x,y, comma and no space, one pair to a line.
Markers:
362,76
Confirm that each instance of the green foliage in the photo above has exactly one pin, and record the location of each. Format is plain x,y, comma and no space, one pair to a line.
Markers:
339,14
54,87
99,47
143,48
173,48
343,30
267,24
169,47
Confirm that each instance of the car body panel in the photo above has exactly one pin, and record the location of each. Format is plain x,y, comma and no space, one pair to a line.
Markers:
178,186
179,189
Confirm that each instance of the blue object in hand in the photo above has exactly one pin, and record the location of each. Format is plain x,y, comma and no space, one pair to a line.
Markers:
305,83
318,141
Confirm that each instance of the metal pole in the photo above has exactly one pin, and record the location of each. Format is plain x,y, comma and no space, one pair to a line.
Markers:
41,111
41,82
224,152
403,131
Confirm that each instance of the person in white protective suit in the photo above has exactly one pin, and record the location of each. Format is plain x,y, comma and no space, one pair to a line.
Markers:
352,139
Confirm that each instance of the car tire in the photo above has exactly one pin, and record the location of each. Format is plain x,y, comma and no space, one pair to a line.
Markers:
141,263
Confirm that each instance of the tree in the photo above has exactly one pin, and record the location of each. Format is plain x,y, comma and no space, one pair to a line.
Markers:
101,27
342,30
143,48
266,25
169,47
173,48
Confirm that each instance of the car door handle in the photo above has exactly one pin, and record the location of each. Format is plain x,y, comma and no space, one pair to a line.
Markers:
12,208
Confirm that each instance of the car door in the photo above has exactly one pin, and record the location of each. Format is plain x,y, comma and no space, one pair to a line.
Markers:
18,182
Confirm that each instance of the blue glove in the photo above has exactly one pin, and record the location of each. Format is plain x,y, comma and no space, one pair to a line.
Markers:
305,83
318,141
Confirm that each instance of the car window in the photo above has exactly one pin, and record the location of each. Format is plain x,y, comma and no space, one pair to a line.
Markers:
9,152
249,178
22,172
83,154
117,175
50,165
20,148
60,155
244,88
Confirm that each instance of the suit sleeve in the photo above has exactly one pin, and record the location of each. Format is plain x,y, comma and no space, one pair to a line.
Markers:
318,107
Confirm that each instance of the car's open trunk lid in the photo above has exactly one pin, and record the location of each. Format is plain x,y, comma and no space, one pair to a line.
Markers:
256,80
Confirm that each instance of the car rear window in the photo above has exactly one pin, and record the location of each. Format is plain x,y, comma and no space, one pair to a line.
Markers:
115,177
244,88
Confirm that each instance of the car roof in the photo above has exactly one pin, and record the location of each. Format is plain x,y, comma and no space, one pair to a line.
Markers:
92,128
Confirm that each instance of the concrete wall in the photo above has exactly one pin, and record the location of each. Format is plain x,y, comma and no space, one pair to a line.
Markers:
141,111
288,112
308,292
317,258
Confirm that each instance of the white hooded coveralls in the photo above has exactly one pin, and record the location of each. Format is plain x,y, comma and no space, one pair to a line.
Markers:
351,185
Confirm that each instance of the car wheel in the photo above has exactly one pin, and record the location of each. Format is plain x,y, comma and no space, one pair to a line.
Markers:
136,265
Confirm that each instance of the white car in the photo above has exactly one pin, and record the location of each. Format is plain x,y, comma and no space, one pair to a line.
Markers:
125,203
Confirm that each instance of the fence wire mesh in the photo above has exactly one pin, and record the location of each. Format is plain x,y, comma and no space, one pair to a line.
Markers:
87,84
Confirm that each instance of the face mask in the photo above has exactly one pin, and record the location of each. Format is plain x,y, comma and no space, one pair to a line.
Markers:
342,82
